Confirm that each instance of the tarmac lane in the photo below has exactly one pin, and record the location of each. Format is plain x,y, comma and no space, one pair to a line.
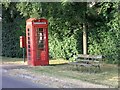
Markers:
14,82
0,78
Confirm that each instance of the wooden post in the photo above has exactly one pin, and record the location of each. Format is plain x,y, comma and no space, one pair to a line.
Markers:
84,39
24,54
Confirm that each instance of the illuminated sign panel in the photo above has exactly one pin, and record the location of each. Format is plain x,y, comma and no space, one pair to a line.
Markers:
39,22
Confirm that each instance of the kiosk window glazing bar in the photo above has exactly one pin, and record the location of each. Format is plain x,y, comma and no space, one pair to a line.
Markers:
28,47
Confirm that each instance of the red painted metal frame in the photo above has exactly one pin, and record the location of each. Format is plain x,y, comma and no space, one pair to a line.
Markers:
32,25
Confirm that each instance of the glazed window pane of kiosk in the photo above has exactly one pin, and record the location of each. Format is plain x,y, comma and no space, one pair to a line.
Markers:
40,38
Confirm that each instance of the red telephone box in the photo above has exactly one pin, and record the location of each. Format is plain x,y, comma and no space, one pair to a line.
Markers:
37,41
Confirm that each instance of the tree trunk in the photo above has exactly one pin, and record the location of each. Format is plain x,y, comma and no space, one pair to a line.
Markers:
84,39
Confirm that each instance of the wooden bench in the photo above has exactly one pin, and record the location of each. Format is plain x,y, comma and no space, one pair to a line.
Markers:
88,61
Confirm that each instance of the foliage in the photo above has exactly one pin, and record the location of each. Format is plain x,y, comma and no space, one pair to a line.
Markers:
103,39
13,27
29,9
65,48
65,27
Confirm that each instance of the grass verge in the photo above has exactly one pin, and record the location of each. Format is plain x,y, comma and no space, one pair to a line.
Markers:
59,68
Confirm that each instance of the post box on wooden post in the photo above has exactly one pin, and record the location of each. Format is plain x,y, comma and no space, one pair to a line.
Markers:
23,45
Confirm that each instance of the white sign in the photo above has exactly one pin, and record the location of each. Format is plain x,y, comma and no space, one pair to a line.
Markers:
39,22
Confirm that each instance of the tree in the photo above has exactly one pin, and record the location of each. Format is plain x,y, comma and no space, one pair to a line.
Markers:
66,23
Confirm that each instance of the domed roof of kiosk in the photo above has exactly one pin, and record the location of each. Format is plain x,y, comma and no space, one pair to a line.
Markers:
30,19
34,19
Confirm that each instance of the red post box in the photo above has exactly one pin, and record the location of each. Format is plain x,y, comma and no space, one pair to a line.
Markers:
22,42
37,41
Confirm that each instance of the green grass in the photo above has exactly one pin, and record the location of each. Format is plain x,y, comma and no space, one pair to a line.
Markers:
108,76
8,60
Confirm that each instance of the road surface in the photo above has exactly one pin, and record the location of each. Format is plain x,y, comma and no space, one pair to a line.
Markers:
14,82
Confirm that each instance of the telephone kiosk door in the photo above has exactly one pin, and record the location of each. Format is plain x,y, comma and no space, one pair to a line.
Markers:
41,48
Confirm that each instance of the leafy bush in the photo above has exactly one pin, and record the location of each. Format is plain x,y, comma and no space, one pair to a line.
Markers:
65,28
